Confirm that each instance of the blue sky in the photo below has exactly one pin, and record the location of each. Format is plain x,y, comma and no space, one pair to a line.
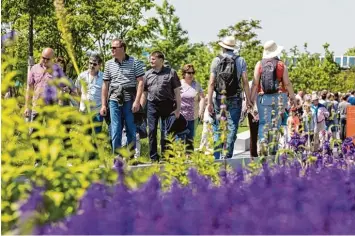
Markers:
287,22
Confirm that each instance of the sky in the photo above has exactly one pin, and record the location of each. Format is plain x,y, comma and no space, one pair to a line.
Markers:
287,22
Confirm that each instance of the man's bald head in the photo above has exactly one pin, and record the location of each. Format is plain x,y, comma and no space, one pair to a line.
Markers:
48,52
47,56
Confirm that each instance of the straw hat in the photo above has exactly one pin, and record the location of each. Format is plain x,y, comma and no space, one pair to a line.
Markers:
271,50
228,43
314,97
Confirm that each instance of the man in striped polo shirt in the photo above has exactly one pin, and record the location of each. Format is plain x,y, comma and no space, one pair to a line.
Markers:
123,87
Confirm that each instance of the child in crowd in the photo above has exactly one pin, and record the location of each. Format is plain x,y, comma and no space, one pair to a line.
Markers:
293,122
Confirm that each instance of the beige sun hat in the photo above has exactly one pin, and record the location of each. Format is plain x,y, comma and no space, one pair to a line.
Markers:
271,49
314,97
228,43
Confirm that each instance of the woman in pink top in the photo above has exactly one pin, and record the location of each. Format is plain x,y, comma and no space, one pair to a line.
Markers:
192,102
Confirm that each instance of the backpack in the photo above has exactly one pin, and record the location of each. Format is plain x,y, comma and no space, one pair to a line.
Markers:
269,81
227,78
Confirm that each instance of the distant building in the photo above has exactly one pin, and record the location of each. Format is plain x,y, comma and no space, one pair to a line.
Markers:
344,62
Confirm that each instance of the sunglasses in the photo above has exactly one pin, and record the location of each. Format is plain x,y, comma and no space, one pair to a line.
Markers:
114,48
93,63
46,58
190,73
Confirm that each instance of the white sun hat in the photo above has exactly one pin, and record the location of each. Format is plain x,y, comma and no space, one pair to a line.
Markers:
271,49
228,43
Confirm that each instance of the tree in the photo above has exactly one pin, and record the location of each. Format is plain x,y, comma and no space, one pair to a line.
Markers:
201,56
170,38
350,52
310,73
91,24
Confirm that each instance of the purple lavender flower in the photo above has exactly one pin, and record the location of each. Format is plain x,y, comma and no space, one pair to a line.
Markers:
50,94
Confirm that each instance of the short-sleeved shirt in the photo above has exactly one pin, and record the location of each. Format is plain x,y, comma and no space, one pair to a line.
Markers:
160,85
342,109
293,122
123,74
39,77
239,62
92,93
190,99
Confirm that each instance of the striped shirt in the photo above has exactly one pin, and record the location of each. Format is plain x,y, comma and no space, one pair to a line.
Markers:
124,75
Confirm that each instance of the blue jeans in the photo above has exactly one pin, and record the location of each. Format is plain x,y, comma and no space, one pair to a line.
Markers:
98,120
265,108
234,108
122,115
191,126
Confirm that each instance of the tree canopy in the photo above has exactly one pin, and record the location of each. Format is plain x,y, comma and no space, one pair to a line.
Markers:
92,25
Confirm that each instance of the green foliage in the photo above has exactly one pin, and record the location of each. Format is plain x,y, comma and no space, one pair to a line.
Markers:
178,164
64,184
92,24
312,74
201,57
169,37
350,52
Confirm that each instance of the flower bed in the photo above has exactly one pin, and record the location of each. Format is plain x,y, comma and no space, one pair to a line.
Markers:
318,198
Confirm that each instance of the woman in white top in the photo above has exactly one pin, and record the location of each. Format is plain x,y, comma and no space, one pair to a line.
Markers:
89,84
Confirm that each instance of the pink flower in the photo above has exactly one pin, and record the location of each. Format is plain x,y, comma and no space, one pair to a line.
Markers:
223,118
223,106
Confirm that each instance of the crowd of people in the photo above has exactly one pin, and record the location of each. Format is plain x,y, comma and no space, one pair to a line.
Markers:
135,101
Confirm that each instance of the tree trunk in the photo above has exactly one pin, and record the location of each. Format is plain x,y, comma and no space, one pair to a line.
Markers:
30,42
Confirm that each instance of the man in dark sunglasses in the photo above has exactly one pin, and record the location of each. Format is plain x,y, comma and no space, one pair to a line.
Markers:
41,90
89,85
121,93
39,80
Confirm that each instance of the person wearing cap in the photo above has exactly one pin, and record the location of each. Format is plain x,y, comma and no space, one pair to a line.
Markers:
319,115
269,95
233,102
89,85
162,95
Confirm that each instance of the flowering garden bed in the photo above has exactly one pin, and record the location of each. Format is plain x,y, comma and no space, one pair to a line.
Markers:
311,196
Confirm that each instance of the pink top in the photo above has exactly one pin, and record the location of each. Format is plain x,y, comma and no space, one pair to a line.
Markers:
189,99
39,77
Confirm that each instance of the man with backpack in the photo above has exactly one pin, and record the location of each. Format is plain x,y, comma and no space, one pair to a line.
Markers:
228,72
271,86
